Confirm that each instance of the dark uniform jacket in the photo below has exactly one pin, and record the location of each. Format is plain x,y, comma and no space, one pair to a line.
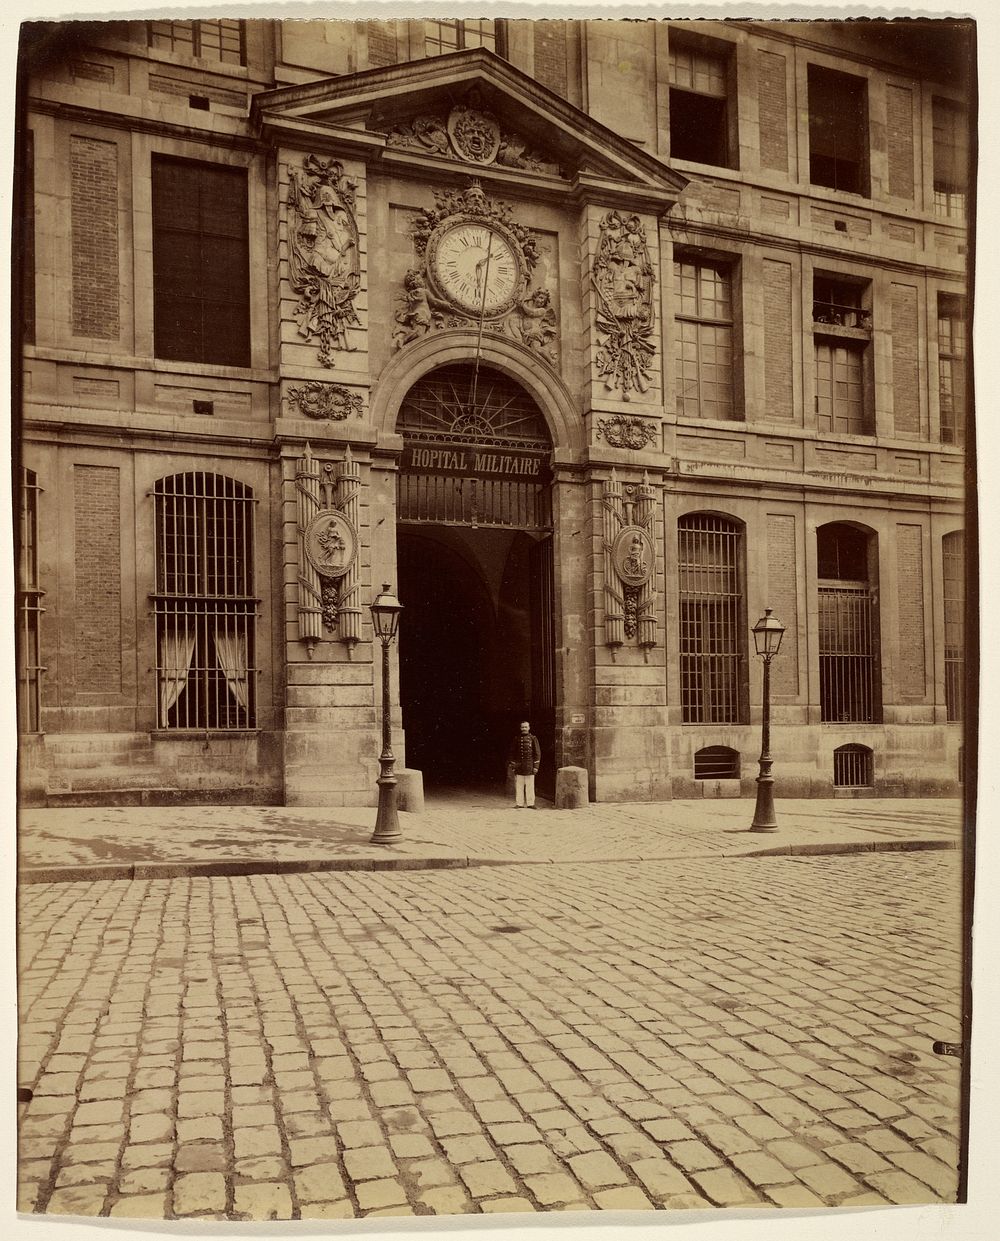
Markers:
525,754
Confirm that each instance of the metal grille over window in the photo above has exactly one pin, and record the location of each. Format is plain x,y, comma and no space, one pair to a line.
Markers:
204,603
712,641
951,368
29,665
214,40
848,619
953,547
704,335
853,767
477,452
717,762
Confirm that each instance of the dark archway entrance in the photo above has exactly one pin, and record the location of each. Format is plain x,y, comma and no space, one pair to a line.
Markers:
474,550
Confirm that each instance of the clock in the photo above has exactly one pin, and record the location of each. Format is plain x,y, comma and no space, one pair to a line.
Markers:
477,267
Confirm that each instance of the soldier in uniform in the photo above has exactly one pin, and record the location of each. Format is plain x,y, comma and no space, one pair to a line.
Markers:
523,760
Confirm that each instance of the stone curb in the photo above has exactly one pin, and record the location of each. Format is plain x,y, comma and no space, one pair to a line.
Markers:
268,866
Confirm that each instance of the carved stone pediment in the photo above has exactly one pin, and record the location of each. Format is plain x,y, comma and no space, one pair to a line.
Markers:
475,111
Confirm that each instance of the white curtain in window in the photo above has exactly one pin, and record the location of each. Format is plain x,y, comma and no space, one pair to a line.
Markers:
176,653
231,650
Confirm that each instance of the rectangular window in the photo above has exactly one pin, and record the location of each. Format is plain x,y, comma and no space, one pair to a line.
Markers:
442,36
711,620
951,367
699,105
201,265
951,159
840,388
26,269
204,603
29,665
704,339
221,40
953,547
838,130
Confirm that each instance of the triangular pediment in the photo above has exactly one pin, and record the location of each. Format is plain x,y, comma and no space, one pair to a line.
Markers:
470,111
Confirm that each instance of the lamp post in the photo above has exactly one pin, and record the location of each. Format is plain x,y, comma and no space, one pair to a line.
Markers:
767,635
385,610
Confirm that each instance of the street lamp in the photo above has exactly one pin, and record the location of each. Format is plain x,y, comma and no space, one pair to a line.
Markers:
385,610
767,635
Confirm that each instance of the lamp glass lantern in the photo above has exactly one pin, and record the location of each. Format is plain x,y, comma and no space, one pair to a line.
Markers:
767,635
385,610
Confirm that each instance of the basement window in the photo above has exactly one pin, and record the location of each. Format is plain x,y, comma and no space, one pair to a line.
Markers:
853,767
717,762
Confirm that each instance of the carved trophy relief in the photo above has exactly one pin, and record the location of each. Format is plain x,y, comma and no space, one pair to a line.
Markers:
323,256
328,583
629,562
623,278
475,268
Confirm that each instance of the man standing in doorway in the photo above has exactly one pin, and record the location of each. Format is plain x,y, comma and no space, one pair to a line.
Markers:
523,759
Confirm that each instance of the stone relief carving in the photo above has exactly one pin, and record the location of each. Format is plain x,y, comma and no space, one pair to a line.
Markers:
328,583
429,302
623,278
629,562
469,132
319,400
323,259
624,432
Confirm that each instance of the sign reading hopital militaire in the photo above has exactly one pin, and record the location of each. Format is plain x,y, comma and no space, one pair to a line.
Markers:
471,460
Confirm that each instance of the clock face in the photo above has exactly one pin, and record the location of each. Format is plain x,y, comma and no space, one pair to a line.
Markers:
477,268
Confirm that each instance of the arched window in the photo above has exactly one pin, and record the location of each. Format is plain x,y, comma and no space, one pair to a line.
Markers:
712,620
853,767
717,762
953,549
850,686
204,603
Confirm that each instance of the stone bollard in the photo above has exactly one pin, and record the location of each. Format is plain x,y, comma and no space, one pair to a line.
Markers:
410,790
571,788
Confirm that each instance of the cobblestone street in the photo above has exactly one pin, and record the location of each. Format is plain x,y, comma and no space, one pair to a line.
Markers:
691,1033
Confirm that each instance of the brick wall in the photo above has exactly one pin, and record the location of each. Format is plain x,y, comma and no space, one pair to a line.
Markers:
900,110
97,564
381,43
94,216
550,55
782,598
778,339
905,372
771,104
910,604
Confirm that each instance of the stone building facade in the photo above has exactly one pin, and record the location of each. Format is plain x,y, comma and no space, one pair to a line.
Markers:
594,338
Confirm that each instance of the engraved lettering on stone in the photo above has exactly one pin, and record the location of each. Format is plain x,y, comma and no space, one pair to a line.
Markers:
623,278
323,259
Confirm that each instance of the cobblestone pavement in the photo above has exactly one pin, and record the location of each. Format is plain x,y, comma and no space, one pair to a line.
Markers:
694,1033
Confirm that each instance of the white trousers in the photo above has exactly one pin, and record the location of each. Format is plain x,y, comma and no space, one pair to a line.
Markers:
524,790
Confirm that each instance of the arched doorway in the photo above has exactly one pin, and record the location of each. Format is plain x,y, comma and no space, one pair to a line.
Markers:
474,551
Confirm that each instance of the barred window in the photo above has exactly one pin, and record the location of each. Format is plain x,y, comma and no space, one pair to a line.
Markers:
204,603
950,137
29,665
953,548
221,40
450,35
717,762
712,621
951,367
853,767
704,339
850,689
201,263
